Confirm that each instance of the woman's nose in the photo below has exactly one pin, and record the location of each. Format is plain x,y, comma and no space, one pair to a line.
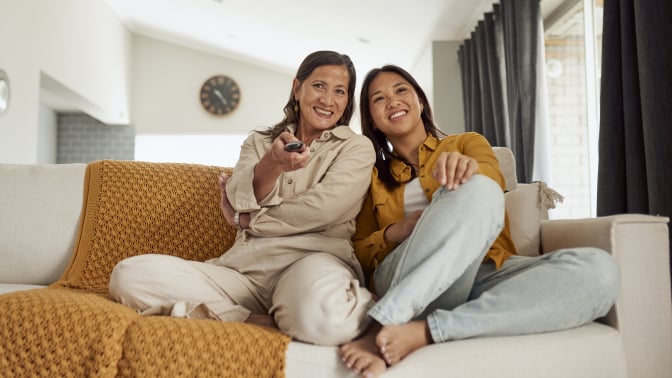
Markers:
327,99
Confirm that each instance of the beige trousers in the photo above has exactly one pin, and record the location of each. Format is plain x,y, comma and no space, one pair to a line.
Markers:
314,299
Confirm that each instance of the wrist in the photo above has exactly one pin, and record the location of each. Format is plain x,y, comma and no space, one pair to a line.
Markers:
236,220
385,232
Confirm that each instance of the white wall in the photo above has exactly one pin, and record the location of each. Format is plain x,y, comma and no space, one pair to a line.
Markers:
166,87
423,72
448,108
81,45
18,126
46,135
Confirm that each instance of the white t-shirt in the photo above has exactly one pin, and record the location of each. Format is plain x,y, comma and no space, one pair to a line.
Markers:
414,198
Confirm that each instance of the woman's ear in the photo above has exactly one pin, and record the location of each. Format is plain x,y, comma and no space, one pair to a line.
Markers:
296,86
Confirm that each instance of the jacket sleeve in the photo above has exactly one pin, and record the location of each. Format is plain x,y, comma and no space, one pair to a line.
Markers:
336,199
369,240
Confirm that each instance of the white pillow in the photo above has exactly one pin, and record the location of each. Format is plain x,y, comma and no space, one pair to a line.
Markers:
526,207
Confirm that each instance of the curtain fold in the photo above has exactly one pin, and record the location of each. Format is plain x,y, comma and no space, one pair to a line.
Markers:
635,158
502,106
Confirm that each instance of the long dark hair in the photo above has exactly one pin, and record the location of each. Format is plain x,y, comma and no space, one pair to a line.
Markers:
309,64
384,154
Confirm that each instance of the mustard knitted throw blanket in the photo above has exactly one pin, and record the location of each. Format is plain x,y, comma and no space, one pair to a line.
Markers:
73,329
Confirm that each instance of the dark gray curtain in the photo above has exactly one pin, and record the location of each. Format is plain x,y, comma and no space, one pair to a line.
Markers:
635,163
520,22
482,86
502,107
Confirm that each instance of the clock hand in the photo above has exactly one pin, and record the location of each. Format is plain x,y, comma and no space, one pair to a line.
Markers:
219,94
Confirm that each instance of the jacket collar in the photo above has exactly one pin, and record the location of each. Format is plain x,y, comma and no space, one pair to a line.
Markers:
401,171
339,131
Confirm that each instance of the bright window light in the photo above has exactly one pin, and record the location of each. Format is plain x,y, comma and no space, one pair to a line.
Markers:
219,150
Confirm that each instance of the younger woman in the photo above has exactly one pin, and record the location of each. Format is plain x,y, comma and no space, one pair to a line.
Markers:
434,241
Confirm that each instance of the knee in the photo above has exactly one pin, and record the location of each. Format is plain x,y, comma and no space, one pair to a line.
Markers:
330,310
599,271
481,197
606,271
127,275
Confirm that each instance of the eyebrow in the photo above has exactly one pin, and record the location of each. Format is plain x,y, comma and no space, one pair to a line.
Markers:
324,82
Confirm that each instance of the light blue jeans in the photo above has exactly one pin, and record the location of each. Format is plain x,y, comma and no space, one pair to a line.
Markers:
438,274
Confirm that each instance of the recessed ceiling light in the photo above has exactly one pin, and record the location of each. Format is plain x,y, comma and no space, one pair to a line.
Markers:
363,40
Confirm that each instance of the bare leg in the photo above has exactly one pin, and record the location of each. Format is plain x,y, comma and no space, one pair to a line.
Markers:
361,355
395,342
262,320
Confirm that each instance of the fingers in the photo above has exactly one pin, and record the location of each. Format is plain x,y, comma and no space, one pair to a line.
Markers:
453,169
288,160
223,178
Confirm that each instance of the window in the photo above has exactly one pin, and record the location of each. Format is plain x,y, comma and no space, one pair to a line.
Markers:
219,150
573,36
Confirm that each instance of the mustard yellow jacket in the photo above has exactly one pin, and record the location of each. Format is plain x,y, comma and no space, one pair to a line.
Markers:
382,207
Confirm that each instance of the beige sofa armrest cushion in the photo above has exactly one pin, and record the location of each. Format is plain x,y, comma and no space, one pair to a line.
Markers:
41,205
643,312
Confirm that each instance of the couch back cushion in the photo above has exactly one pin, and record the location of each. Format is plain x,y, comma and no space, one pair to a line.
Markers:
134,208
507,164
40,208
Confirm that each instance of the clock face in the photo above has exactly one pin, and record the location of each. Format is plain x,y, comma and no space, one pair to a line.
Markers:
220,95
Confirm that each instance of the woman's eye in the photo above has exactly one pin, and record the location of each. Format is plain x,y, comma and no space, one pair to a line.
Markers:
318,85
340,91
376,99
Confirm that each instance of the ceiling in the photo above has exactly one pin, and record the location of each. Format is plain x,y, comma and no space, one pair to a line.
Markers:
279,34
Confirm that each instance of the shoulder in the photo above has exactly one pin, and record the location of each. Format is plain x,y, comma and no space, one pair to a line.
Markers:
462,138
350,138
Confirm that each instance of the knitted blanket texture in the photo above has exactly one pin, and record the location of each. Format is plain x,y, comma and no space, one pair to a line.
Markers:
72,329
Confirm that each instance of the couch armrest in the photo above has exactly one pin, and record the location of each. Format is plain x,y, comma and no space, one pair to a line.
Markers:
643,311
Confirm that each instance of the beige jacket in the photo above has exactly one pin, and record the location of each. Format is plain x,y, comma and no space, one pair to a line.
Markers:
312,209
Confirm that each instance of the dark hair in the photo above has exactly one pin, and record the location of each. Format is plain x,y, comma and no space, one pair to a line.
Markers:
384,154
309,64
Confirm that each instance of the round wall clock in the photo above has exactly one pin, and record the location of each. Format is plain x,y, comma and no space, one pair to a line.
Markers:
220,95
4,92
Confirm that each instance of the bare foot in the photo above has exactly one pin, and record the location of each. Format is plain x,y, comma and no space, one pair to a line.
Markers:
361,356
262,320
395,342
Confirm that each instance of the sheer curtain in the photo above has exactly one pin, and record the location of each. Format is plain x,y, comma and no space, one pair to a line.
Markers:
500,82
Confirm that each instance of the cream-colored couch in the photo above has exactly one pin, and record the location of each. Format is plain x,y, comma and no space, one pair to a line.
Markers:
44,208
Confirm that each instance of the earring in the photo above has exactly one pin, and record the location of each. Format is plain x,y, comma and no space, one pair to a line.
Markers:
296,107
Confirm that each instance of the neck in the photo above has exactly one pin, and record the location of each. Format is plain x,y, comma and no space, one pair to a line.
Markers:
407,146
307,136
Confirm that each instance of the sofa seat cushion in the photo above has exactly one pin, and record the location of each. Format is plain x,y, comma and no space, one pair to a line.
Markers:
593,350
165,346
61,333
65,332
10,288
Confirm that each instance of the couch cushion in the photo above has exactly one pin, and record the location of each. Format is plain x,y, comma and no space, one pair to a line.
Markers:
134,208
527,206
10,288
61,333
593,350
161,346
507,164
41,205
